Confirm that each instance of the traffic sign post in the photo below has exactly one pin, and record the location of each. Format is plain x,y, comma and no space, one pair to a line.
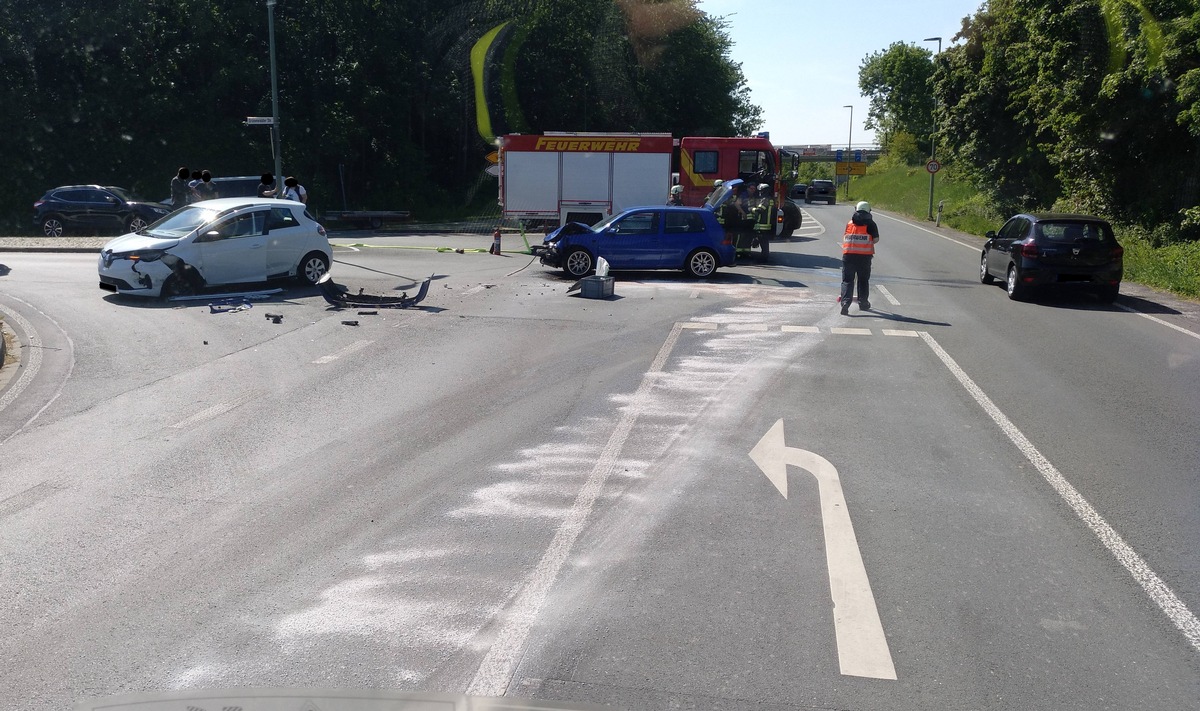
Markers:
933,166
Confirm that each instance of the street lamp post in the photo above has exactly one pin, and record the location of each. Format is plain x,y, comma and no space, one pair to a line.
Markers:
275,142
933,136
849,136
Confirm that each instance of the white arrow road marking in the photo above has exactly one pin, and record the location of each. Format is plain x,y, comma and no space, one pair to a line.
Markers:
862,646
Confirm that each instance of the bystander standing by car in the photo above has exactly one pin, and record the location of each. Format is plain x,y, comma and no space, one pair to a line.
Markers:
205,190
179,188
293,190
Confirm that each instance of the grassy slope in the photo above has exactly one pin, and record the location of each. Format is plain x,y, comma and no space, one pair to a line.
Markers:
905,189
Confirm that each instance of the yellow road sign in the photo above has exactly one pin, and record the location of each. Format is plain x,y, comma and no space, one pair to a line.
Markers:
492,157
851,168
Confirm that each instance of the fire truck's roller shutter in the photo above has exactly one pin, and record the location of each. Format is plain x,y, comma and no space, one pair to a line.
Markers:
585,176
640,179
531,182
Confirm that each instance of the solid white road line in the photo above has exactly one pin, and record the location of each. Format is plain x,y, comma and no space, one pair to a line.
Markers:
496,670
1163,596
352,348
31,361
35,362
935,234
887,295
1157,320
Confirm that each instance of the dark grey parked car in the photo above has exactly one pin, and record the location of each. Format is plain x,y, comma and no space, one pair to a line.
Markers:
94,208
821,190
1053,249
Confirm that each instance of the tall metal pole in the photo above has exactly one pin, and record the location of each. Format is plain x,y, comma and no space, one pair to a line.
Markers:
275,147
933,136
849,136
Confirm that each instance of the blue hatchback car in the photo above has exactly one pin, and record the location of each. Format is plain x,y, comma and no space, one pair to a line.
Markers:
666,237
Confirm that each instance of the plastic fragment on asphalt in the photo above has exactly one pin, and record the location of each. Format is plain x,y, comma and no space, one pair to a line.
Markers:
242,295
368,313
349,323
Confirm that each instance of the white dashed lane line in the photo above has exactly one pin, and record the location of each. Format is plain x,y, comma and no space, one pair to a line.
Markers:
790,328
352,348
887,295
217,410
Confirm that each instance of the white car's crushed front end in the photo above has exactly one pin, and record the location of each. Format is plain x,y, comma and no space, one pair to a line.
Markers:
136,264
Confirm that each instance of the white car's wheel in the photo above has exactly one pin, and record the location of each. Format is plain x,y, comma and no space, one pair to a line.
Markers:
312,267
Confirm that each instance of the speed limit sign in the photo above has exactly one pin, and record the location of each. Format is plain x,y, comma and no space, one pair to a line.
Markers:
933,166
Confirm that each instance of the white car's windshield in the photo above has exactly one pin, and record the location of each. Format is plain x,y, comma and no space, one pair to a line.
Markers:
183,221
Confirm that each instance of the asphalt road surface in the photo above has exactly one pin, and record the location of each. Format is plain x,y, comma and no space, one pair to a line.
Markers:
702,495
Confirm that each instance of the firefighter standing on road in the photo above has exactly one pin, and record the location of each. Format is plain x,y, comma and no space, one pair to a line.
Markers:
858,248
764,224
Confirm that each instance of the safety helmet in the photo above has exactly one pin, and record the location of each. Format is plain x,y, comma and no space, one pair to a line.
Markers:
863,206
762,187
718,183
676,189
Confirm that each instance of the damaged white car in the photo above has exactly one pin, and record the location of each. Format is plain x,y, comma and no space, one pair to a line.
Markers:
217,242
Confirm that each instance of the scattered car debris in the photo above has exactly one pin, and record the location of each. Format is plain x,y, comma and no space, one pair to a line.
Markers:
349,323
275,318
368,313
340,297
239,295
229,306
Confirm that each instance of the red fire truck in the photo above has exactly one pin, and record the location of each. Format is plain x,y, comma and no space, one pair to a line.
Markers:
703,160
555,178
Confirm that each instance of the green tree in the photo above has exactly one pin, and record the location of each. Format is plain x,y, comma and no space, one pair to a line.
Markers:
1087,104
376,94
898,83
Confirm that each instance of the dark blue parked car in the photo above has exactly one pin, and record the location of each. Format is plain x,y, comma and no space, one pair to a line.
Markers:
687,238
94,207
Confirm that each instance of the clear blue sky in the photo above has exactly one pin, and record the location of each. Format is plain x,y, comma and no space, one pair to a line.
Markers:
801,57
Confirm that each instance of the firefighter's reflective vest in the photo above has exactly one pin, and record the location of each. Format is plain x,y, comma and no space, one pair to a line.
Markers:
857,240
762,216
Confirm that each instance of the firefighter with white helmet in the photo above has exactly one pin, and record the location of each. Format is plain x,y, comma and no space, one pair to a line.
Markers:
676,195
858,249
